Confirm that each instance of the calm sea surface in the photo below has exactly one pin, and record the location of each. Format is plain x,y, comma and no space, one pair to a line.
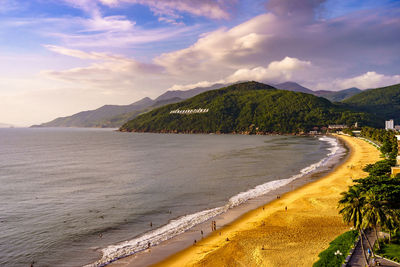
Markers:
65,194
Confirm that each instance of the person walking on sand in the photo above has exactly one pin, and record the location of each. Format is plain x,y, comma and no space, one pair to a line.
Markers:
285,208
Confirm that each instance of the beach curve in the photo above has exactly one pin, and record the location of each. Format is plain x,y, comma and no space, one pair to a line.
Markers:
272,236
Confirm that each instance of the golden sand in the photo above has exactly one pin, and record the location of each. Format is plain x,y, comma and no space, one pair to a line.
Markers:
273,236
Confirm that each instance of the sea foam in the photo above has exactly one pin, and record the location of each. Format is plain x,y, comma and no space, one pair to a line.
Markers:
184,223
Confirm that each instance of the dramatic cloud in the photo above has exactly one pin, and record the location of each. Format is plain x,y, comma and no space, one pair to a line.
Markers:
102,51
231,49
341,46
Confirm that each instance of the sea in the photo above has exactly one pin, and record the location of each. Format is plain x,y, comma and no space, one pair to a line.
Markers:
85,197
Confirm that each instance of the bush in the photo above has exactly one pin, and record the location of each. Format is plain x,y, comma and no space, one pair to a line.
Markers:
343,243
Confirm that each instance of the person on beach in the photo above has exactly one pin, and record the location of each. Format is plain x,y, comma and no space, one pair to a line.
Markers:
285,208
201,231
151,224
148,245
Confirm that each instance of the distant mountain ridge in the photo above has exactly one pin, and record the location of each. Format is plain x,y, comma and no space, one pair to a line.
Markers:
295,87
185,94
333,96
6,125
114,116
91,118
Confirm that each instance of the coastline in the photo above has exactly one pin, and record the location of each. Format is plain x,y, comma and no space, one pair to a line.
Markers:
224,220
290,238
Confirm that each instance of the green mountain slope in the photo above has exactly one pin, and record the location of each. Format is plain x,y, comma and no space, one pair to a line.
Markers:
247,107
118,120
337,96
382,102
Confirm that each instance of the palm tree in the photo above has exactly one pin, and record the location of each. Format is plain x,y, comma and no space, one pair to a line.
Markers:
374,213
392,222
352,204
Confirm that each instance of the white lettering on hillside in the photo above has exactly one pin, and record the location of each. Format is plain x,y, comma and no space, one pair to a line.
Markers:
189,111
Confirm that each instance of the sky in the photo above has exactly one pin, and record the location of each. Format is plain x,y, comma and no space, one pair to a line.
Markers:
60,57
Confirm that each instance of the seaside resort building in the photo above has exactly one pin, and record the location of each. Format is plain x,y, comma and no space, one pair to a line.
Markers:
389,125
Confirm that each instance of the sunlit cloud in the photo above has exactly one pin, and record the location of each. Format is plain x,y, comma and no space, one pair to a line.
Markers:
275,72
368,80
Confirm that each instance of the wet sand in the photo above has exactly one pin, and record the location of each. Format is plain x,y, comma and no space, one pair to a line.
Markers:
272,236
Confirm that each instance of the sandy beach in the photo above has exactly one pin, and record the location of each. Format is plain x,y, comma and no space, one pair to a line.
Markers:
273,236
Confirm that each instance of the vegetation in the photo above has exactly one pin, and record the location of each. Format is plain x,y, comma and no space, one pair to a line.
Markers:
381,102
391,250
372,202
248,107
337,251
341,95
387,140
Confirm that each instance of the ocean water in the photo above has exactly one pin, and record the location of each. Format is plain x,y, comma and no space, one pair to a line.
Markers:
69,197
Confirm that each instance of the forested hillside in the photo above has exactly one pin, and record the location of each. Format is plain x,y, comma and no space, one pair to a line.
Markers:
383,102
248,107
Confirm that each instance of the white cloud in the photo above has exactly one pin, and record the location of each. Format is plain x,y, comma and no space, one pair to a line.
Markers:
368,80
275,72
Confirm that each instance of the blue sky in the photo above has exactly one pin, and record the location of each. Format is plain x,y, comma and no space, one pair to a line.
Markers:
58,57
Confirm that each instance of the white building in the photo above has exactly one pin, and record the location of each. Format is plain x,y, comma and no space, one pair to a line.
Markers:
389,125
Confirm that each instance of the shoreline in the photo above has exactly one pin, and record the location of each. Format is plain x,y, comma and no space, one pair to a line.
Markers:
182,241
273,236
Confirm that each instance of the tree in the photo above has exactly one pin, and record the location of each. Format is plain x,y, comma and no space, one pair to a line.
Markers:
374,213
352,204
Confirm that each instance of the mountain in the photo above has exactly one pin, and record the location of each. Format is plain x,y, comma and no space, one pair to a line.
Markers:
244,108
333,96
337,96
114,116
94,118
118,120
382,102
185,94
292,86
5,125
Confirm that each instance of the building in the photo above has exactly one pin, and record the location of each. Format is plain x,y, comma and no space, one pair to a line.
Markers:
389,125
338,126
